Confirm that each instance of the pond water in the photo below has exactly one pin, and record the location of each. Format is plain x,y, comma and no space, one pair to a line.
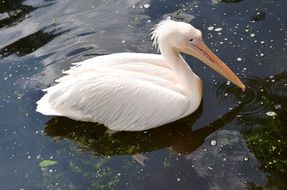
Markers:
235,140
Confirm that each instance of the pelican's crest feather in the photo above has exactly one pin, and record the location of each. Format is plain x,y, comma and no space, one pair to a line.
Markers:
159,29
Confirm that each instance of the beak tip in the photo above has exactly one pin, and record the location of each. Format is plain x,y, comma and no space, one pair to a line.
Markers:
243,88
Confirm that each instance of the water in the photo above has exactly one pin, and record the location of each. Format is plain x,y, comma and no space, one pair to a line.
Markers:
235,139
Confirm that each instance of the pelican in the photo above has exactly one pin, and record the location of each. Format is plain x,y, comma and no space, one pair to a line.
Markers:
136,91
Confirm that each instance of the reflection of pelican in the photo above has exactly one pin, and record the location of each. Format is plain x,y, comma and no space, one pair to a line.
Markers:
134,91
177,135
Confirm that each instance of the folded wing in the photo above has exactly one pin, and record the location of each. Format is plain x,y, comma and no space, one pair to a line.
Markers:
119,99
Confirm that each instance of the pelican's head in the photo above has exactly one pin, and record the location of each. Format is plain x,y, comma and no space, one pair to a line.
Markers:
183,37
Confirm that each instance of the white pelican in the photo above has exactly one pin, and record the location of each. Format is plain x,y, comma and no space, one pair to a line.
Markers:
136,91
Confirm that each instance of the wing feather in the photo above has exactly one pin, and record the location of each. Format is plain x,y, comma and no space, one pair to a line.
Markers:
119,100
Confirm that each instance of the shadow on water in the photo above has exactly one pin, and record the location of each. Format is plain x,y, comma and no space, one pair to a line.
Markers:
263,121
178,135
13,12
32,42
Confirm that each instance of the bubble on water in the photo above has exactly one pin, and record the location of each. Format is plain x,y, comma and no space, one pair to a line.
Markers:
178,179
262,54
271,113
278,106
146,6
210,168
260,15
239,59
245,159
19,95
210,28
252,35
218,29
123,41
213,142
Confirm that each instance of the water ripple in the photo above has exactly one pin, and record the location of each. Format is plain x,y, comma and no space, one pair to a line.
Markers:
256,99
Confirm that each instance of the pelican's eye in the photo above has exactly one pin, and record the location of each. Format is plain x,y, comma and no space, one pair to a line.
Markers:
191,39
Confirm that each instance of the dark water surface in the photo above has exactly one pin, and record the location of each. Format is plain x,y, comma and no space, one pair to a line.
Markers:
235,140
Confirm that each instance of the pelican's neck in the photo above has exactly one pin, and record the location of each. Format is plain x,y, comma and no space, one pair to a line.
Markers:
189,81
176,62
179,66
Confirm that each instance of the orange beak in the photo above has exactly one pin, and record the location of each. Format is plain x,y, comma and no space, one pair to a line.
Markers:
204,54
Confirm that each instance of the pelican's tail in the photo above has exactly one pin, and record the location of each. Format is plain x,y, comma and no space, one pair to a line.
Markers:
44,107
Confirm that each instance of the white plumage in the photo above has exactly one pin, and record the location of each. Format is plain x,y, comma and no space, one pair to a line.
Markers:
135,91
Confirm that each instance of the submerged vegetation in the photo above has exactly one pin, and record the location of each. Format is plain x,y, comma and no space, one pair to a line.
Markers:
263,124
